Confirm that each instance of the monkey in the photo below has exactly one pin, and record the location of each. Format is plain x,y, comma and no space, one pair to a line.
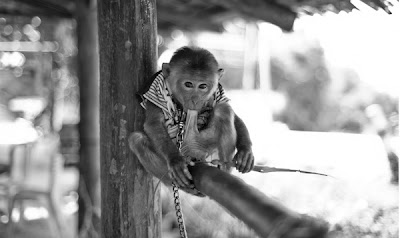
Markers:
186,96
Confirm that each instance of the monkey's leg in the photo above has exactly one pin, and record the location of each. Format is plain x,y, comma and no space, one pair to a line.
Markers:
219,138
224,115
151,161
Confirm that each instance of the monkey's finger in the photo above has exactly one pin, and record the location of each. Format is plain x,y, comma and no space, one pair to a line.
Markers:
238,159
187,173
178,180
241,161
171,175
249,164
246,159
243,164
181,174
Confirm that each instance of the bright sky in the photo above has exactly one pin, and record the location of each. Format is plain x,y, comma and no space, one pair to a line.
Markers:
367,41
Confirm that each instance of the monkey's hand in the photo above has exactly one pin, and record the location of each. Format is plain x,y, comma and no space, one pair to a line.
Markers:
192,145
179,172
244,159
203,117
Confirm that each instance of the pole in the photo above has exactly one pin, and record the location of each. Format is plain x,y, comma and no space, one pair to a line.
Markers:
267,217
130,202
89,129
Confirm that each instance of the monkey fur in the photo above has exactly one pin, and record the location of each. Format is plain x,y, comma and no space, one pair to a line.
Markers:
211,129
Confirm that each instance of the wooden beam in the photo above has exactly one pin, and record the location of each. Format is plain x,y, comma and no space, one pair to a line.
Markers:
168,20
130,199
34,8
265,216
49,6
262,10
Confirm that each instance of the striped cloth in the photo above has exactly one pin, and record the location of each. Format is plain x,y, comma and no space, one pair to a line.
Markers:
159,95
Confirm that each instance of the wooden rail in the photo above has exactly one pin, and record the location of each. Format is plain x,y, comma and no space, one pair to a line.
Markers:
265,216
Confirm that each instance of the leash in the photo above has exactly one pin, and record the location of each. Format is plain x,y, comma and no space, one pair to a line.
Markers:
175,188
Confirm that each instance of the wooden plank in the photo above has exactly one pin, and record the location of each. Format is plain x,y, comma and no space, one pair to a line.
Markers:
130,200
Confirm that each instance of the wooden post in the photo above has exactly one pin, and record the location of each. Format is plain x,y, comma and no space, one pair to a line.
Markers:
250,57
89,129
131,205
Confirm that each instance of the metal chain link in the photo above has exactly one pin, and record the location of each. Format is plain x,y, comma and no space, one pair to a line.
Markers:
179,136
178,212
175,188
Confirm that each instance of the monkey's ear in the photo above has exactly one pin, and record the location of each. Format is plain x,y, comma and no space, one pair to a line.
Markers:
166,69
220,73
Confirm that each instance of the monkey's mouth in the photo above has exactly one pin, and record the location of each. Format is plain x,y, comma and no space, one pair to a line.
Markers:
194,105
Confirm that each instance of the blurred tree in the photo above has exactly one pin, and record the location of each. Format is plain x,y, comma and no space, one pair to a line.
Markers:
302,76
319,96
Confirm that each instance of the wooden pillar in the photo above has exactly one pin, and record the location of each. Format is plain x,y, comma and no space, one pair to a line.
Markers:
131,205
250,57
89,129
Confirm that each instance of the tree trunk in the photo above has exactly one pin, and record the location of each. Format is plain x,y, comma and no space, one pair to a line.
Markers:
131,205
89,130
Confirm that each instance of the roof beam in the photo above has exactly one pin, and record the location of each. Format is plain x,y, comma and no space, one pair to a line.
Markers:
261,9
34,8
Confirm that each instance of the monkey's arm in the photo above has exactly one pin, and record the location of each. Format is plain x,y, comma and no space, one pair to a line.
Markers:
157,132
219,132
243,136
244,159
224,130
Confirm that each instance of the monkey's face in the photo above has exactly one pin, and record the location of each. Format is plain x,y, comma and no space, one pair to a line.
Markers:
192,89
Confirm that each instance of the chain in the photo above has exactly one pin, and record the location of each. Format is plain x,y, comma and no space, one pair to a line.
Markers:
178,212
175,188
179,136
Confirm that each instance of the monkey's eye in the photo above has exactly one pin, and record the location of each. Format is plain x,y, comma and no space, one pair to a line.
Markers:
203,86
189,85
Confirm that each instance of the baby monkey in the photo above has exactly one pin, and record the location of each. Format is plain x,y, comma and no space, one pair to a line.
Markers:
185,103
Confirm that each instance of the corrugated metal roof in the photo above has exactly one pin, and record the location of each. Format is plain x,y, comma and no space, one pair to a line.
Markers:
195,15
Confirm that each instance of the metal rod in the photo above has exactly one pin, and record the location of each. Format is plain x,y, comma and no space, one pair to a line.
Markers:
267,169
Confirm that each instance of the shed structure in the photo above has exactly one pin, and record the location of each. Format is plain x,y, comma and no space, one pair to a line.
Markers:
128,51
